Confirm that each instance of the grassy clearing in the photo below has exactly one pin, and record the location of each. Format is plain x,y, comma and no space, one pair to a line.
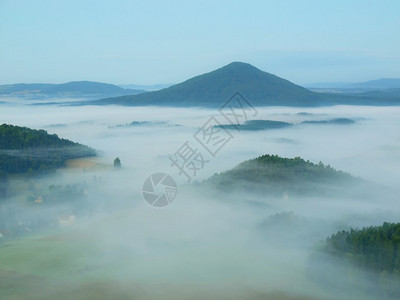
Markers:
45,255
50,267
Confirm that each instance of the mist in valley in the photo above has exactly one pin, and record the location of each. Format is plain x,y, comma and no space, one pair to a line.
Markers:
231,244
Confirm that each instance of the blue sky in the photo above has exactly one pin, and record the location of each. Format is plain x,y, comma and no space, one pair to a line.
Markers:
148,42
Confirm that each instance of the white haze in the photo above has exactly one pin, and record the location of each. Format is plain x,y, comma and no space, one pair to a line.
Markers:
208,245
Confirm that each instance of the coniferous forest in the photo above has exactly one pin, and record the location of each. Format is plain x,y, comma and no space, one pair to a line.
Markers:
376,247
28,150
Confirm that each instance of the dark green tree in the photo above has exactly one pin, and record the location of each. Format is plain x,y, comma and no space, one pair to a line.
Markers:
117,163
3,185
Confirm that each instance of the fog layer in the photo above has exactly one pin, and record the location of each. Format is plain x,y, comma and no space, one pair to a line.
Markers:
205,244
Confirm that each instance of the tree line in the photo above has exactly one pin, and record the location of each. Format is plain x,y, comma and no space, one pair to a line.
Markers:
376,247
27,150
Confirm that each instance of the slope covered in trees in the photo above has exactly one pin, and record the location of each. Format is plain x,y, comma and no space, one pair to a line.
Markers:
260,88
216,87
254,125
25,150
278,174
376,248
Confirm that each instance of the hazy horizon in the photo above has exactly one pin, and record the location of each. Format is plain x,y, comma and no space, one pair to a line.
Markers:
129,42
155,85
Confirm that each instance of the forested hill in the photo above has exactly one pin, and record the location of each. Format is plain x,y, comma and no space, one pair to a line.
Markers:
277,174
216,87
25,150
376,248
260,88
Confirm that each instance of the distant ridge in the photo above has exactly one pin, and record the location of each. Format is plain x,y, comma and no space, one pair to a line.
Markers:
378,84
70,89
145,87
85,87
